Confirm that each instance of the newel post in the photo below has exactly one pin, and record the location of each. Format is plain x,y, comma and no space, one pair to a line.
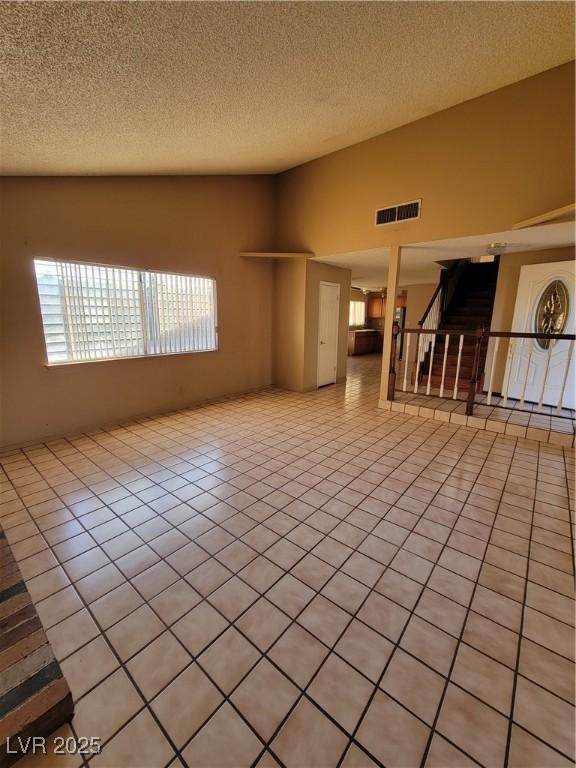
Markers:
474,378
392,370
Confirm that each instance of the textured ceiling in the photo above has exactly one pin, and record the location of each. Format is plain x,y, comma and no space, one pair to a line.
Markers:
232,87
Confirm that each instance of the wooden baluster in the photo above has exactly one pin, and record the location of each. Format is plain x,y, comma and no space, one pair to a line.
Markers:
446,343
473,384
565,377
430,365
530,350
408,335
492,367
546,369
455,394
509,359
417,363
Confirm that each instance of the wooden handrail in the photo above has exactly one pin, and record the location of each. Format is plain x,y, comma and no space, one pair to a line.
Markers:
514,335
488,334
430,303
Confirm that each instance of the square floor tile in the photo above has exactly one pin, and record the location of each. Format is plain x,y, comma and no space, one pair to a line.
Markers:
483,677
308,738
260,574
440,611
72,633
265,698
399,588
175,601
364,649
429,644
158,664
199,627
208,576
313,571
414,685
225,741
442,754
341,691
324,620
466,722
345,592
139,743
363,569
153,580
186,704
88,666
298,654
263,623
492,639
290,595
546,716
107,707
384,616
135,631
391,733
233,598
115,605
528,752
228,659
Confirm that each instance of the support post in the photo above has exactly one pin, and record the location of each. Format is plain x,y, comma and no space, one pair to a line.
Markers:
388,363
474,378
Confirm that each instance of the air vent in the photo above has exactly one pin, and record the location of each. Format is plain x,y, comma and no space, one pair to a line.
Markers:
401,212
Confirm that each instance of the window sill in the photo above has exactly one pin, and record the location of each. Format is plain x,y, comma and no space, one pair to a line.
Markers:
66,364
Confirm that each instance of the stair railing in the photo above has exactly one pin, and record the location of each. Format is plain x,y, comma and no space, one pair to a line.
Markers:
430,320
503,399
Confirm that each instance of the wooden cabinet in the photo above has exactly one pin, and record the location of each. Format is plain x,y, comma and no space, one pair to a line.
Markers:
364,341
376,307
377,304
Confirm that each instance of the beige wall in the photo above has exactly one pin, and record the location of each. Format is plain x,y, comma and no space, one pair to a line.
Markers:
505,299
187,224
317,272
296,314
289,312
357,295
479,167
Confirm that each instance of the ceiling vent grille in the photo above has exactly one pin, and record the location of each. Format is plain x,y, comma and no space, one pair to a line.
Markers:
402,212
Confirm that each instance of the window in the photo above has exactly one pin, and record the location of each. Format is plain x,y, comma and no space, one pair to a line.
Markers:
357,313
94,312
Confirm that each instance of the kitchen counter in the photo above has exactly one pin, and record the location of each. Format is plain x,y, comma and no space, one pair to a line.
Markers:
362,341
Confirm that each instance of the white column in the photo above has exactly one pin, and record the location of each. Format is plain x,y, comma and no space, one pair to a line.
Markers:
391,294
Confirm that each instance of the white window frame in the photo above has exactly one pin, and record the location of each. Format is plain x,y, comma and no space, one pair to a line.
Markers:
142,306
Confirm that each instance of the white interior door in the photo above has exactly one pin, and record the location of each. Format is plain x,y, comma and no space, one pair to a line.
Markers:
328,321
531,371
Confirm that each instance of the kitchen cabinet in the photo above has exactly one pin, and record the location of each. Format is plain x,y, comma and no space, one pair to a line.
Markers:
364,341
377,304
376,307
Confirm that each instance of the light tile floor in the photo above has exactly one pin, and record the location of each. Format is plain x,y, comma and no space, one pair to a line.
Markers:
304,580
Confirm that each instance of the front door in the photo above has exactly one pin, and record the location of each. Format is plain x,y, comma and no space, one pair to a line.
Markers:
537,369
328,321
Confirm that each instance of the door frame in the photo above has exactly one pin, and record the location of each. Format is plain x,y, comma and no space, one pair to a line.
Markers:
524,306
339,287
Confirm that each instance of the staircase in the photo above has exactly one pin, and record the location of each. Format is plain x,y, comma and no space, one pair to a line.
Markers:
469,308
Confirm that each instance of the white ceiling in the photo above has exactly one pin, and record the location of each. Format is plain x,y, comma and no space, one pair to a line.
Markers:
419,260
233,87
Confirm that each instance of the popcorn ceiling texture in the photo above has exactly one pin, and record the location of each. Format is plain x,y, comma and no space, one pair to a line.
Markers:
219,87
